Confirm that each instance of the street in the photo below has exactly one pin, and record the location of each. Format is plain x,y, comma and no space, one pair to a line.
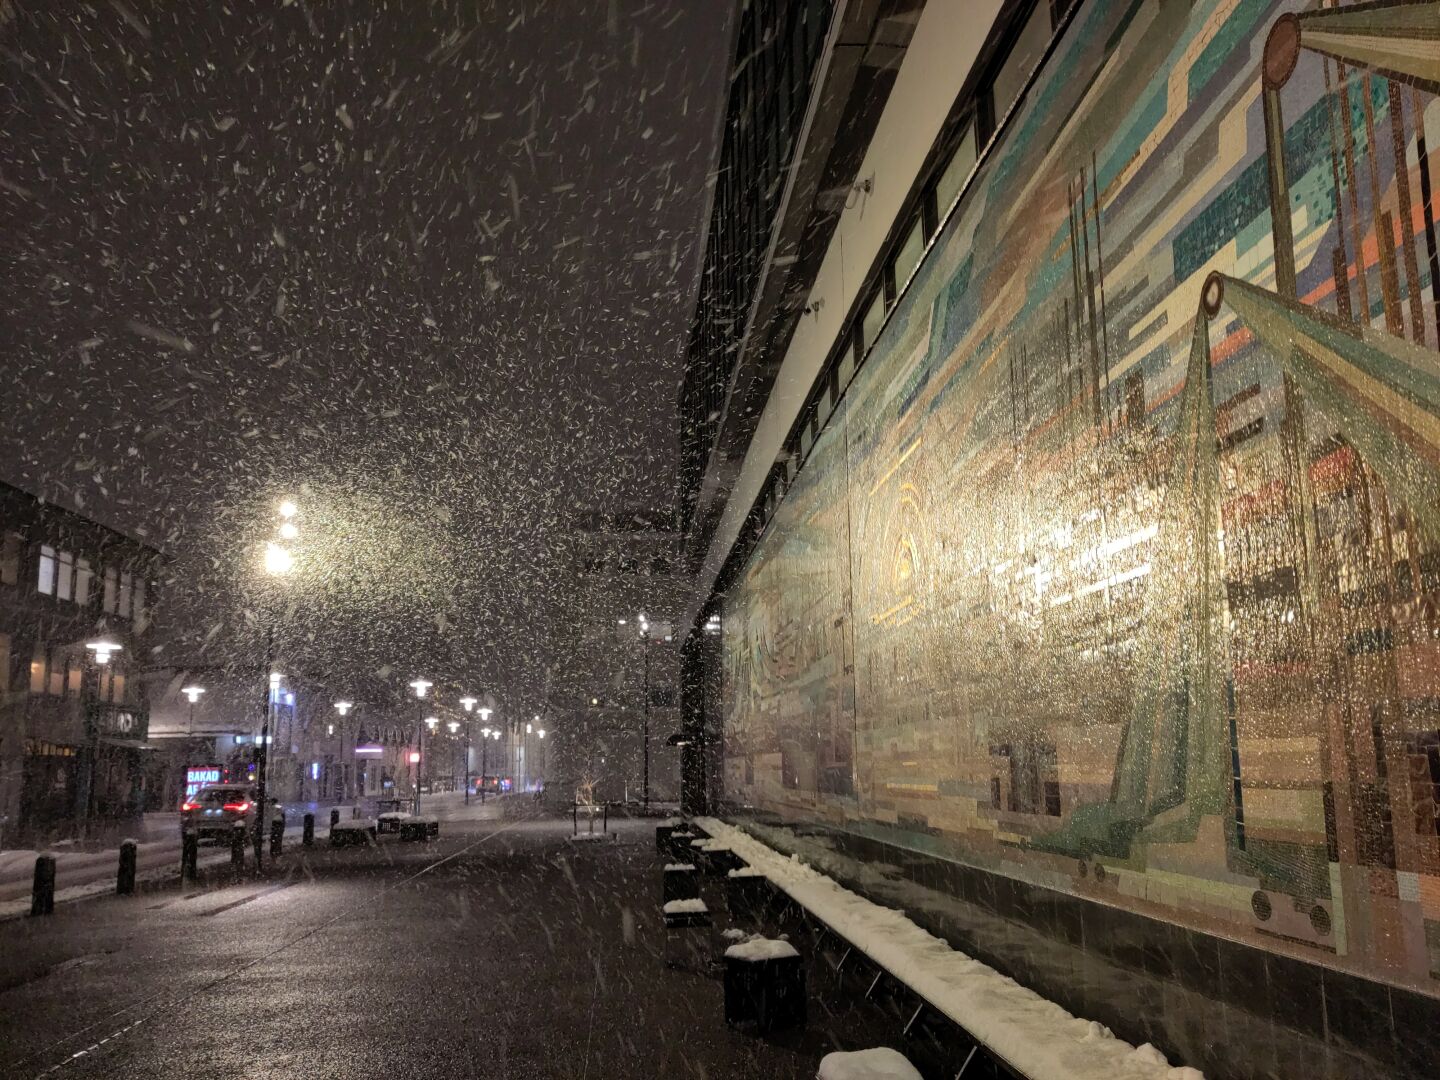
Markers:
501,948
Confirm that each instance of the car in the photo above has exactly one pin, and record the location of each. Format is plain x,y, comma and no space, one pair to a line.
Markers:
215,808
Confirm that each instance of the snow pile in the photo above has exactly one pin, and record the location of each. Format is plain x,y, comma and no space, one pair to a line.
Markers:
354,825
746,871
1034,1036
693,906
879,1063
760,948
679,866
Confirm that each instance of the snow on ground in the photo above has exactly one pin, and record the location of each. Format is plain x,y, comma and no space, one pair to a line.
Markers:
880,1063
1035,1036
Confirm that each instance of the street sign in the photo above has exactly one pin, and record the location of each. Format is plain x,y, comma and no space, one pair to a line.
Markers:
199,775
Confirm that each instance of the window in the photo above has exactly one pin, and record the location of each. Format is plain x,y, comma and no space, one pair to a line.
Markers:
112,589
39,665
908,257
140,603
1029,47
56,687
10,546
83,574
961,164
65,587
874,318
117,688
77,673
126,587
46,582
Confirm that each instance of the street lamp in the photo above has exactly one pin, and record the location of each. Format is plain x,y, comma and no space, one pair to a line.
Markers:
102,649
468,704
277,562
486,734
421,688
192,693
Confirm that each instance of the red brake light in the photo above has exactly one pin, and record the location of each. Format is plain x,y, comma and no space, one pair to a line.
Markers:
239,807
190,806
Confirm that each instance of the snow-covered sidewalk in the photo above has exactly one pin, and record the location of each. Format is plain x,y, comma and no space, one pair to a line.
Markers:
1034,1035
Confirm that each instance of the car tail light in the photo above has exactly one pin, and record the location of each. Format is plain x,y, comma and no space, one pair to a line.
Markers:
238,807
190,806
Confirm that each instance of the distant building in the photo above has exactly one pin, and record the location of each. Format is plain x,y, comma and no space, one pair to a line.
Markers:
73,718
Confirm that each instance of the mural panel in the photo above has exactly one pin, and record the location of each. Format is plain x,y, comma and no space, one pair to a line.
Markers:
1118,568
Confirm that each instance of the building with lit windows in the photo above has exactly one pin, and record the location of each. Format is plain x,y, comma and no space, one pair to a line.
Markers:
1060,437
75,606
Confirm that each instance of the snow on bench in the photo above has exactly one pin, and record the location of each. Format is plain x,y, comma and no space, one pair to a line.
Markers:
759,948
354,825
693,906
879,1063
1034,1036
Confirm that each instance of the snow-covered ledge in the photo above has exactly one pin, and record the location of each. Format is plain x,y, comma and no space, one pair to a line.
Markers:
1034,1036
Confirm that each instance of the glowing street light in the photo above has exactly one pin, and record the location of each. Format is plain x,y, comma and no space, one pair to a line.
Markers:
431,721
343,707
485,712
468,703
288,509
288,530
193,693
102,649
421,687
277,560
453,725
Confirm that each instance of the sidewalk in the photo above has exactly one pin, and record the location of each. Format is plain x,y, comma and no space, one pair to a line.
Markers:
82,874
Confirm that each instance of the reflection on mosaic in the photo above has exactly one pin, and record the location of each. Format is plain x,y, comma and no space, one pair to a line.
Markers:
1118,567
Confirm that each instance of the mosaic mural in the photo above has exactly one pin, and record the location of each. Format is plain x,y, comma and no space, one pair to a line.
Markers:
1117,568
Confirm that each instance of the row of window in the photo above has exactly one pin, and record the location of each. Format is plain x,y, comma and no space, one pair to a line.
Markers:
994,98
59,672
67,576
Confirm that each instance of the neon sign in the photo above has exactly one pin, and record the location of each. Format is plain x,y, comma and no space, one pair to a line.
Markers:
199,776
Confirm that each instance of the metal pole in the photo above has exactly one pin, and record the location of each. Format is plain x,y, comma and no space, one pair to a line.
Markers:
645,734
484,751
420,752
262,752
467,761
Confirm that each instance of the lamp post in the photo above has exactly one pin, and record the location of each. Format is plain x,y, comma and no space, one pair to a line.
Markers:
485,735
192,693
421,688
102,648
645,715
278,562
468,704
341,707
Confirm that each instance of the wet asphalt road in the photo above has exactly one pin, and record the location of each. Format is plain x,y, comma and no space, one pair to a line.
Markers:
500,949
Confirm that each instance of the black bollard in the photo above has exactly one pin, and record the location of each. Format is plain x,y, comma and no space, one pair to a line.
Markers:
189,856
307,833
238,836
277,836
42,897
334,816
125,877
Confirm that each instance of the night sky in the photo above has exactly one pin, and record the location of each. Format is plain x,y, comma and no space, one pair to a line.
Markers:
428,267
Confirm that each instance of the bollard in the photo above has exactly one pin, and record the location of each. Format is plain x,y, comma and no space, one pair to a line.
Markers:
277,836
334,816
189,856
307,832
237,847
125,877
42,898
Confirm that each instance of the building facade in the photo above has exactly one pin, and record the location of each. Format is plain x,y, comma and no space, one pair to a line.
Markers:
75,607
1081,559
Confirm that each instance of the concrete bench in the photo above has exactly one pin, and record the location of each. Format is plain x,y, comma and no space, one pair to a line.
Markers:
681,881
416,827
358,831
391,821
748,893
764,985
663,832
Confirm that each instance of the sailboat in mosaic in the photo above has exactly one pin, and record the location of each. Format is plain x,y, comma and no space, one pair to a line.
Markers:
1172,767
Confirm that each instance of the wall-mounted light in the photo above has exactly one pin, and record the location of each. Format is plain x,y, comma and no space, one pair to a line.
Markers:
193,693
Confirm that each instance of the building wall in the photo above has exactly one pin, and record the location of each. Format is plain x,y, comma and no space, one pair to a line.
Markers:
1088,586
